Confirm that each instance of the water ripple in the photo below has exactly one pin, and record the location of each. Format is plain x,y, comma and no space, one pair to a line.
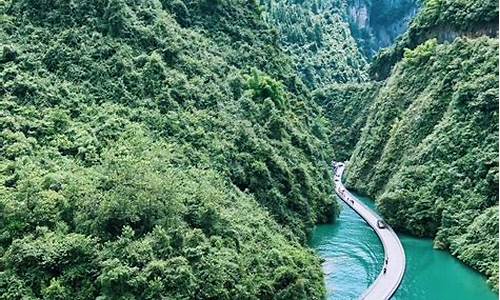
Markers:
352,252
354,256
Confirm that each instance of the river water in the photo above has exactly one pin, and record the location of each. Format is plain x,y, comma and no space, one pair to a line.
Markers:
354,256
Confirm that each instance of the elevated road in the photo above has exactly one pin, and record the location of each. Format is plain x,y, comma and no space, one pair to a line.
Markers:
392,272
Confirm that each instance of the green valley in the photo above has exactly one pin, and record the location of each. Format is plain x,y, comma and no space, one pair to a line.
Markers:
182,149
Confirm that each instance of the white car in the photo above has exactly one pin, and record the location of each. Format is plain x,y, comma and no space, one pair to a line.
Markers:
381,224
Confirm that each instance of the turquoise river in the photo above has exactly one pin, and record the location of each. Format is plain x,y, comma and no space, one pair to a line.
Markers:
353,257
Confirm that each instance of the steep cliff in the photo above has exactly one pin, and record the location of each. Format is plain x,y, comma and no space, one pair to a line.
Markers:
441,19
375,24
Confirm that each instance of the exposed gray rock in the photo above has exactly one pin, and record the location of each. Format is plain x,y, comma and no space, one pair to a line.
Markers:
376,24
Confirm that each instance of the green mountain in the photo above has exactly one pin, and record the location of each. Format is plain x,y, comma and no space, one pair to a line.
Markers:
317,37
181,149
156,149
428,152
444,20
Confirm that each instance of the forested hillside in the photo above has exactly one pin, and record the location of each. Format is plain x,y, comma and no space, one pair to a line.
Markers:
316,34
444,20
329,43
429,150
346,106
155,149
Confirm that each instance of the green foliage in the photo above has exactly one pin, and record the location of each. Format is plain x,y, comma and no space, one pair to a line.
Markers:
441,19
155,149
464,14
138,226
318,39
478,246
346,107
429,150
421,54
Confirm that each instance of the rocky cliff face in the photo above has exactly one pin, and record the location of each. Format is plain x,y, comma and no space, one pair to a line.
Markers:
376,24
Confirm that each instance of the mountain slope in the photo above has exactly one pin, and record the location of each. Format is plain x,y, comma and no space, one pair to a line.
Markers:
444,20
346,106
316,34
153,149
429,150
375,24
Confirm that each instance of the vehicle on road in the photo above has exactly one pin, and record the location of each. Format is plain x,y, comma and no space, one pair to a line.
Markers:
381,224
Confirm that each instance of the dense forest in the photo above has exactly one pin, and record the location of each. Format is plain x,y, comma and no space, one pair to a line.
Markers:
428,152
347,107
181,149
444,20
151,149
317,37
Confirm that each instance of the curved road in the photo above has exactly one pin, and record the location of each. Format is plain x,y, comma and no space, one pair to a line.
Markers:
386,283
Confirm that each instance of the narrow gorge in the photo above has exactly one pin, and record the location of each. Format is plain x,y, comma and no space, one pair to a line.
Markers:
182,149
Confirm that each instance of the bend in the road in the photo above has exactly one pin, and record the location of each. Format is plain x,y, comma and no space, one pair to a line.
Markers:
393,270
